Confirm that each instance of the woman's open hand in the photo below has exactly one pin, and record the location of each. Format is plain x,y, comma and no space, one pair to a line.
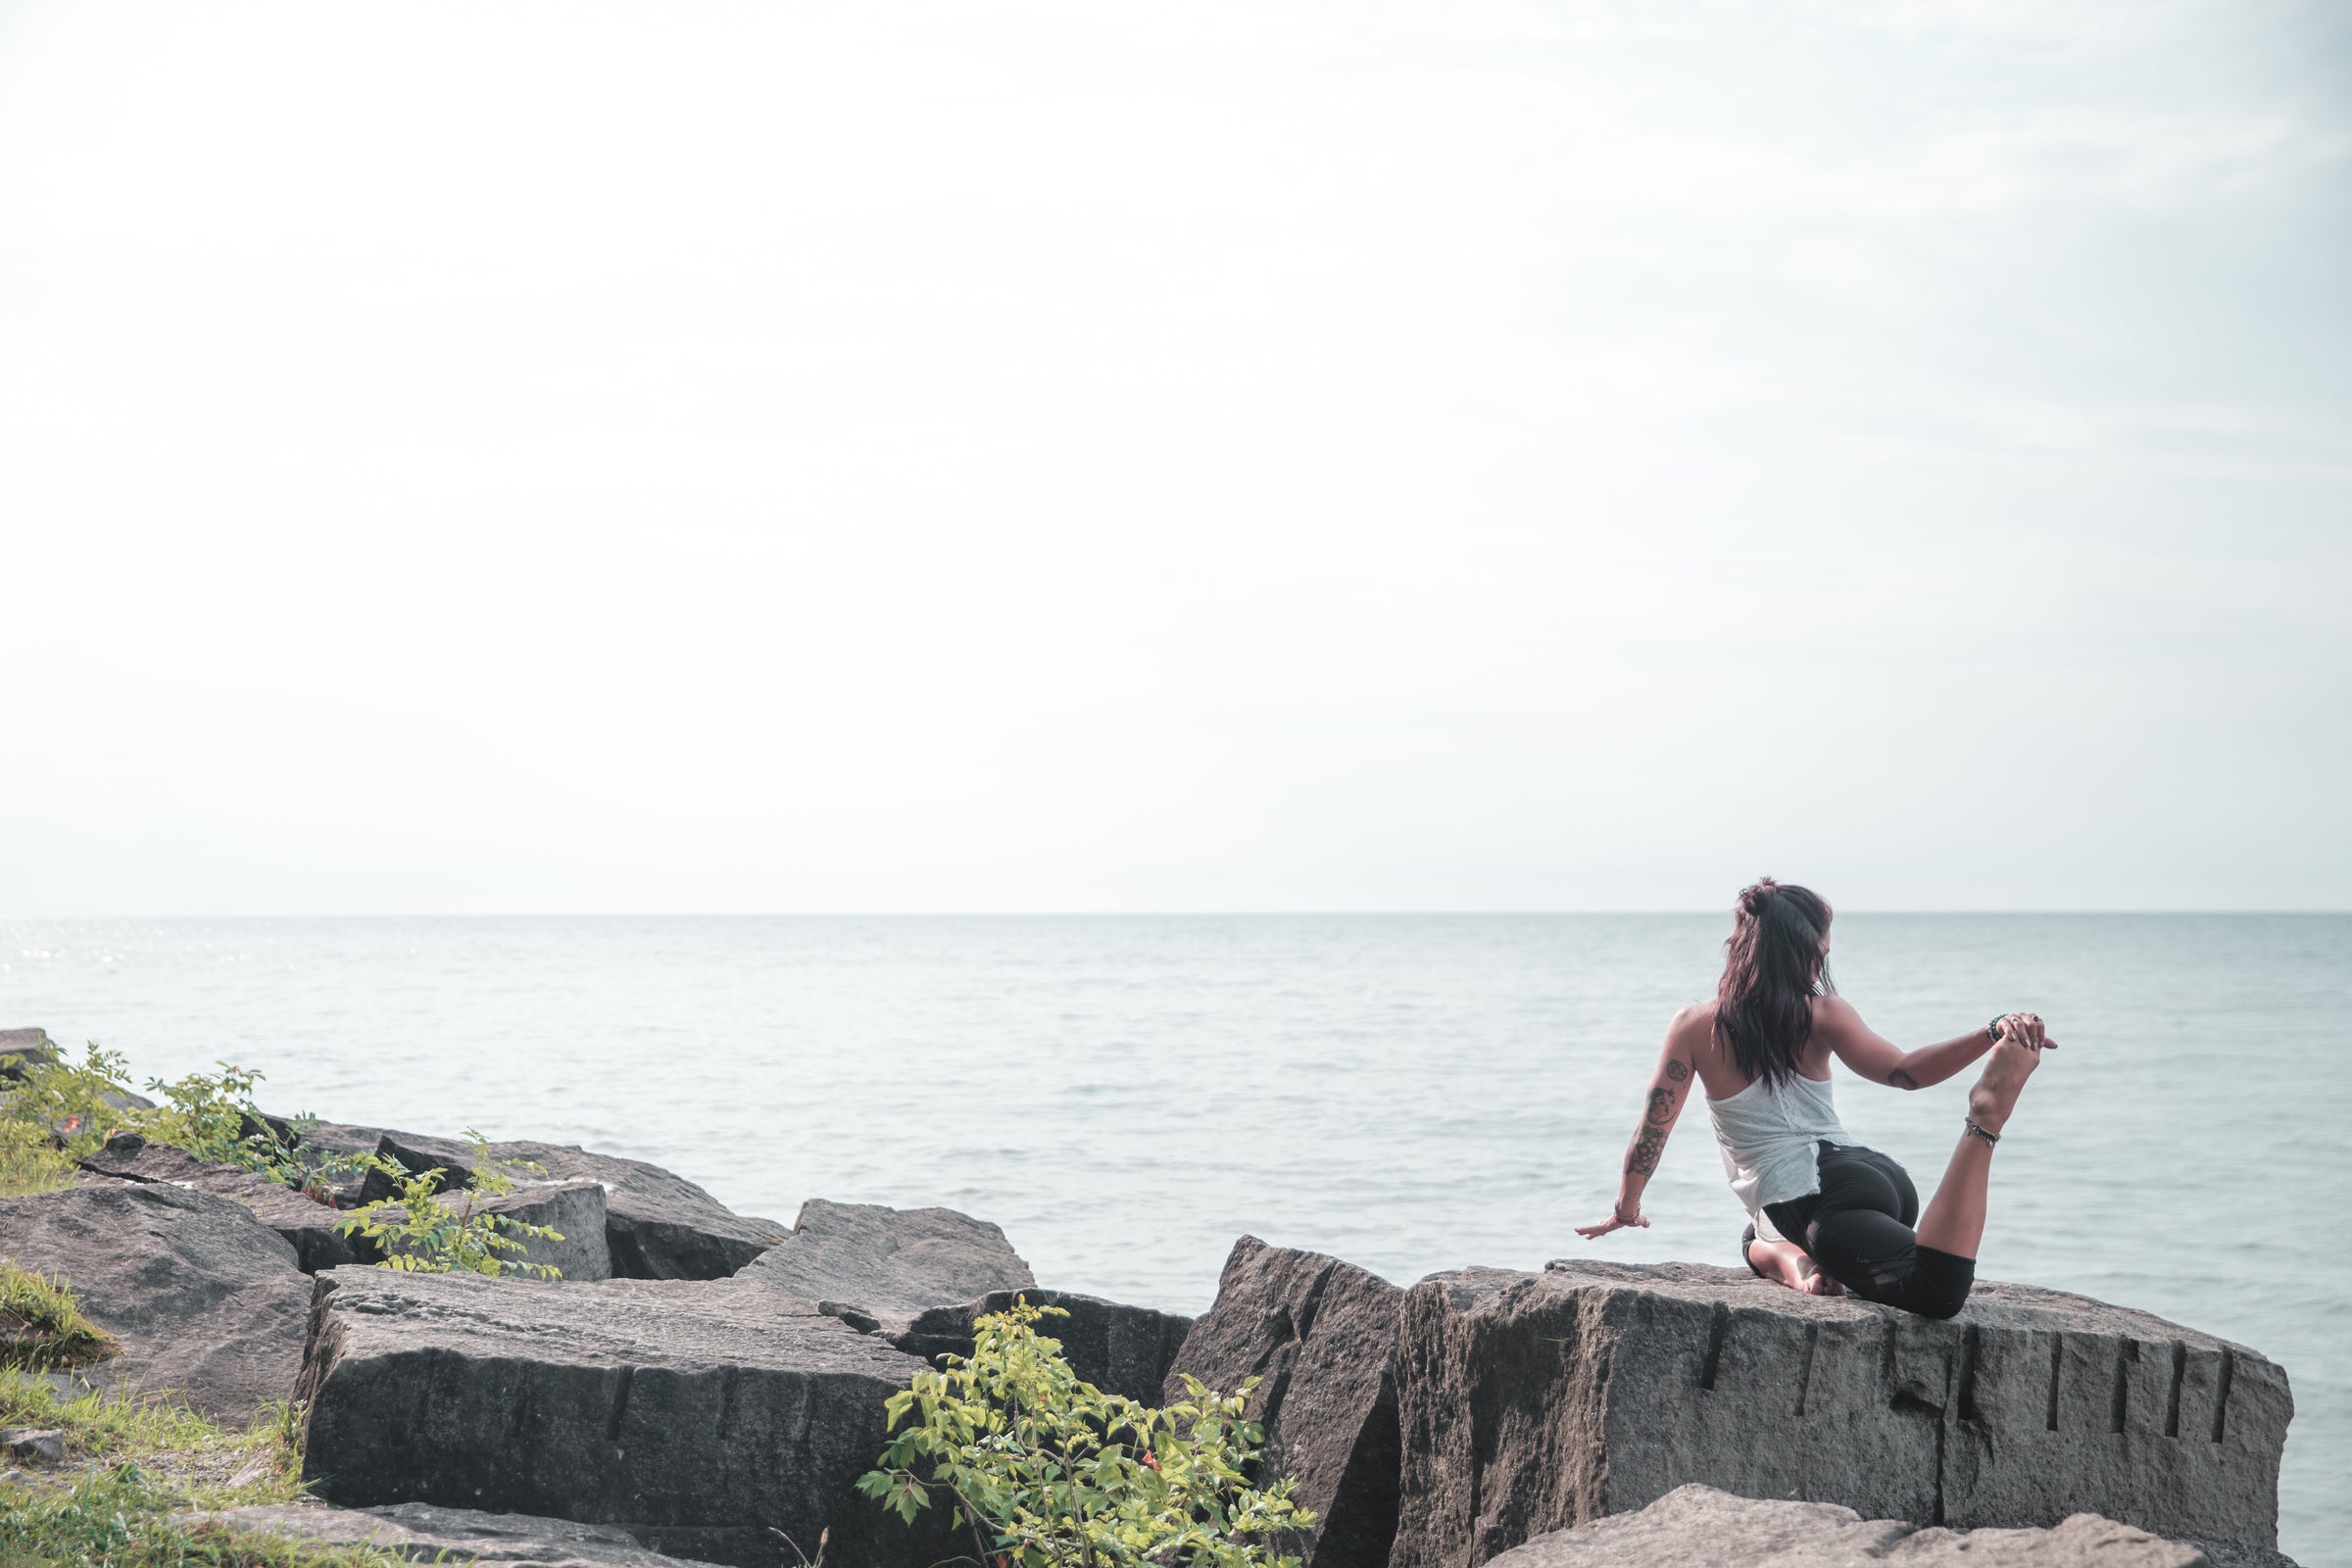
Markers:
1615,1222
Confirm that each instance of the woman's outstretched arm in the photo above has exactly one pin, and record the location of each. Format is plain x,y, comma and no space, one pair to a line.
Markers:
1882,1062
1669,1087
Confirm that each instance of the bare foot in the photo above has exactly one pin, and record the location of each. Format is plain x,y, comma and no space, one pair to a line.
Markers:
1787,1263
1995,1093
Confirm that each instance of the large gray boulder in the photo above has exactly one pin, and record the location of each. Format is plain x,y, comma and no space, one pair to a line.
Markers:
699,1417
1536,1402
205,1299
1698,1527
889,1266
1320,1334
422,1533
1118,1348
658,1225
306,1224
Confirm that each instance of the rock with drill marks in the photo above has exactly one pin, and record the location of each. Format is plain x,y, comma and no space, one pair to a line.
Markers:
1533,1402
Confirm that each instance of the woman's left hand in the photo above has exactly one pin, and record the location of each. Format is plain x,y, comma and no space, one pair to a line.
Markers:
2025,1028
1615,1222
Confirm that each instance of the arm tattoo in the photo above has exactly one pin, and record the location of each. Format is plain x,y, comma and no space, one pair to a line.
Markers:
1675,1070
1902,1079
1642,1158
1661,1106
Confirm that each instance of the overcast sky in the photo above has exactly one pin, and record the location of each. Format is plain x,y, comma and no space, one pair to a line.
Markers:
790,457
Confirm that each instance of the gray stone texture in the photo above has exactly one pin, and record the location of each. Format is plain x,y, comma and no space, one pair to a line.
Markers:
1698,1527
658,1225
1320,1333
1119,1350
205,1299
889,1266
701,1417
1536,1402
307,1225
574,1210
422,1533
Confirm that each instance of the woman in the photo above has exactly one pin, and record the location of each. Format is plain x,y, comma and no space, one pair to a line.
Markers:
1828,1215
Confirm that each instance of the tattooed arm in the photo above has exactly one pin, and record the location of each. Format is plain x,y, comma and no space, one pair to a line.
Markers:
1669,1089
1882,1062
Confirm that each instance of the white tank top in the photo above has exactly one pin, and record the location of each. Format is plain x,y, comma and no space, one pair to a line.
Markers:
1769,1139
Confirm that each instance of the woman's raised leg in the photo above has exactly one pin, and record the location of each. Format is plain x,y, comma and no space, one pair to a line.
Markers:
1954,1221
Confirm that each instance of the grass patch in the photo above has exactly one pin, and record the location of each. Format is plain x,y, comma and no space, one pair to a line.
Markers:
42,1329
120,1518
29,1162
130,1466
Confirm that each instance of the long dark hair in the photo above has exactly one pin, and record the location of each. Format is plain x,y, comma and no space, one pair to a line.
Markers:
1772,971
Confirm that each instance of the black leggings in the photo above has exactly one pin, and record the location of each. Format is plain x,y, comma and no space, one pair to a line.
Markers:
1858,1229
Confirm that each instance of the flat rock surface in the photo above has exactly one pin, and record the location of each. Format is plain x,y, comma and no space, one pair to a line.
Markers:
426,1534
701,1417
891,1265
309,1226
1535,1402
1698,1527
658,1224
205,1298
1320,1334
1118,1348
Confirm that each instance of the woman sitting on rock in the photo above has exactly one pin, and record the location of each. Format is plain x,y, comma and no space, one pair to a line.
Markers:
1828,1215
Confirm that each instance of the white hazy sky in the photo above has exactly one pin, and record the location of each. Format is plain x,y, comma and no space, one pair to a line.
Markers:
519,457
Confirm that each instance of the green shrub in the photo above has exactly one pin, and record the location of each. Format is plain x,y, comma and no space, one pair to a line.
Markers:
62,1111
421,1232
213,1116
1044,1470
79,1107
42,1327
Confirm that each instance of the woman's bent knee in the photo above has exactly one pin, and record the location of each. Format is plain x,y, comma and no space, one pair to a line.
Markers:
1939,1283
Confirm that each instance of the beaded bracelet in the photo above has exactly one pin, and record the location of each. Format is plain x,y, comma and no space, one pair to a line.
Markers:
1989,1138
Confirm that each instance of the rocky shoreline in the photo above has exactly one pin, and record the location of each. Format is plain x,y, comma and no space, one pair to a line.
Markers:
706,1386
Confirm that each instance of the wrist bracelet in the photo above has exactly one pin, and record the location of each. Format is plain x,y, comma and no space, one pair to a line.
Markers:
1992,1030
1989,1138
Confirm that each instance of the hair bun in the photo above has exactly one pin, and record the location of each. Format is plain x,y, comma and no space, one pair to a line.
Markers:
1756,895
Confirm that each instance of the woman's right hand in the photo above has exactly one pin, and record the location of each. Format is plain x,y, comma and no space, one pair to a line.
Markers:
1615,1222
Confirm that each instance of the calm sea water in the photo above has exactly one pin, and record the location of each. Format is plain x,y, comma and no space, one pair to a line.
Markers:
1127,1094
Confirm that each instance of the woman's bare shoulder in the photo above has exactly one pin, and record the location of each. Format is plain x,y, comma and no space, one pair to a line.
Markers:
1693,1023
1834,1012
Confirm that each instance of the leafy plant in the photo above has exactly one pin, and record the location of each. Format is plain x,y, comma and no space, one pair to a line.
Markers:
425,1231
41,1326
213,1116
1043,1470
75,1106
